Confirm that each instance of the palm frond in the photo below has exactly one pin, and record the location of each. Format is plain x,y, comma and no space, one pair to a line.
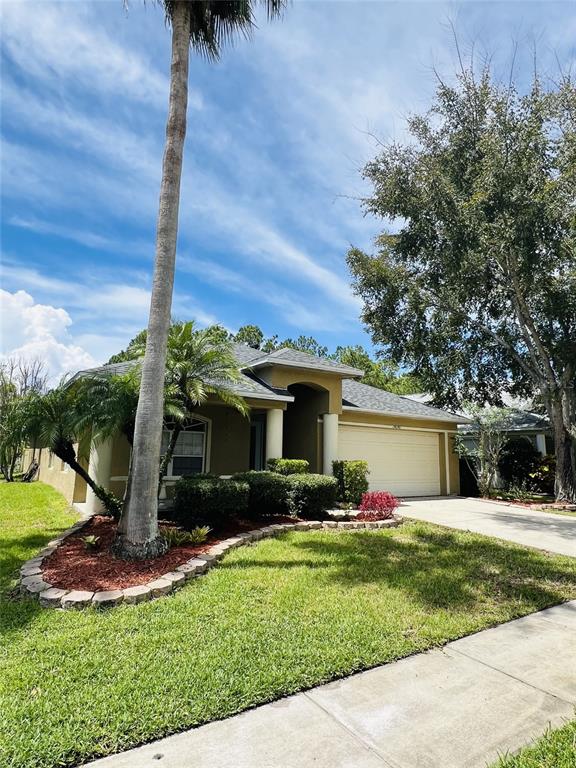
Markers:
217,23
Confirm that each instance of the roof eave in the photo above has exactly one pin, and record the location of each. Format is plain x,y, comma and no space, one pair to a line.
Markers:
451,417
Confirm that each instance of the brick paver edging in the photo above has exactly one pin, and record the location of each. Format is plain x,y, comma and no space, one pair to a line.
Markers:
32,583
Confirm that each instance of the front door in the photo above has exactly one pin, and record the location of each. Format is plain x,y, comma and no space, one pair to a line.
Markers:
257,427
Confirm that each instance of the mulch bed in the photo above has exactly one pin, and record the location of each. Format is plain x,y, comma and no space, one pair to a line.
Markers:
73,567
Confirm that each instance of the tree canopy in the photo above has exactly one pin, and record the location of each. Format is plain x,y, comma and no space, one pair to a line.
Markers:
474,283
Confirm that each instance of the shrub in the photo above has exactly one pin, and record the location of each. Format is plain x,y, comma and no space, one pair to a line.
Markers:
519,459
289,466
268,492
200,500
543,476
382,502
176,537
352,478
310,495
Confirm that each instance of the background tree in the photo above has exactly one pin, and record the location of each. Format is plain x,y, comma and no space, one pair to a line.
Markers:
484,448
476,287
251,335
206,25
19,379
383,374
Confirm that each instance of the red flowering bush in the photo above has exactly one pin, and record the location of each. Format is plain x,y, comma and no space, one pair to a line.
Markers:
377,505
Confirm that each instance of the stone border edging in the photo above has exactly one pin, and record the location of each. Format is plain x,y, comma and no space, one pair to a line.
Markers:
33,585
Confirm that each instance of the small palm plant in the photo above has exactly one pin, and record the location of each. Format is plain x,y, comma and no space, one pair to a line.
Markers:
54,421
198,365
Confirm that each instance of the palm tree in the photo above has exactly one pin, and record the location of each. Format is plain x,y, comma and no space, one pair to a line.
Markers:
206,25
54,420
198,364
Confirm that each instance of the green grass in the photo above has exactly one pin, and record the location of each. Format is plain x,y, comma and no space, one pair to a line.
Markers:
566,512
557,749
271,619
31,514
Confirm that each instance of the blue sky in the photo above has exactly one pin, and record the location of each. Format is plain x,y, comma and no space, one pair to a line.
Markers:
277,134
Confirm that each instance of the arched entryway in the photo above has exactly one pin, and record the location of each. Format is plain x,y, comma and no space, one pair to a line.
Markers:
302,437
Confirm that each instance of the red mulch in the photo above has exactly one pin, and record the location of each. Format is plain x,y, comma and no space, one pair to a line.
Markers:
72,567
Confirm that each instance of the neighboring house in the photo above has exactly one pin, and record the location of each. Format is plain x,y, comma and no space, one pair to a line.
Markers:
302,407
525,425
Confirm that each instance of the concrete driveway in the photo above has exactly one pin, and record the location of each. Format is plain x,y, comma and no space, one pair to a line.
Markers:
542,530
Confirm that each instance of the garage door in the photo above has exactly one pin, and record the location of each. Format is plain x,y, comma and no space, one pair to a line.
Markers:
404,462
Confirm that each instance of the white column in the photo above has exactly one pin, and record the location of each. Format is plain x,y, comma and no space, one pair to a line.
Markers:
447,461
274,425
99,470
330,435
541,444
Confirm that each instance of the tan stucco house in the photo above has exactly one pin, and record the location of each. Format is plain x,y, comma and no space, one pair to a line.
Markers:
301,406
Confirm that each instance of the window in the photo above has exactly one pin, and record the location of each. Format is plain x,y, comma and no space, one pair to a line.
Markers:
190,451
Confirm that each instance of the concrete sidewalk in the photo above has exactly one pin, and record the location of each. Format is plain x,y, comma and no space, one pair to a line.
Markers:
531,528
455,707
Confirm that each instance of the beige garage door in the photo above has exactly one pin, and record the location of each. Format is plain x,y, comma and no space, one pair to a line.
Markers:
404,462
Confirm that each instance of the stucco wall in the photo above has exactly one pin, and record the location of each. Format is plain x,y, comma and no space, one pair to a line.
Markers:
283,377
59,476
301,428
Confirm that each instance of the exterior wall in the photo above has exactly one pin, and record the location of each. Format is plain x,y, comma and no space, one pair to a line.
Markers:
282,377
302,434
400,422
59,475
229,439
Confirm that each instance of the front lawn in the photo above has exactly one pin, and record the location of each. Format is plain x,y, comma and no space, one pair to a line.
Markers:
557,749
271,619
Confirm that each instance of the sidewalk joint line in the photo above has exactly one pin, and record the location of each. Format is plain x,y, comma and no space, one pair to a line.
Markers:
508,674
356,736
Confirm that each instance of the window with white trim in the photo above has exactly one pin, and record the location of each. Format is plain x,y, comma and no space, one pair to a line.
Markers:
189,456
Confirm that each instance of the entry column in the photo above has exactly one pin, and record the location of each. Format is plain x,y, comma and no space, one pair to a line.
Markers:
330,435
99,470
274,429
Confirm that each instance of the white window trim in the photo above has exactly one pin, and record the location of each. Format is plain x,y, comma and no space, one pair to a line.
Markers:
207,449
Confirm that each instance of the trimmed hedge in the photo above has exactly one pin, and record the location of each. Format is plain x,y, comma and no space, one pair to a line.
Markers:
309,496
208,500
268,492
352,478
289,466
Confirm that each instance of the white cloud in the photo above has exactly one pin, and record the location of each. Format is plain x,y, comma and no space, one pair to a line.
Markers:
31,330
65,42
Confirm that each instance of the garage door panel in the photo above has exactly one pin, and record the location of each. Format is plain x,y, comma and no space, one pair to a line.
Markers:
404,462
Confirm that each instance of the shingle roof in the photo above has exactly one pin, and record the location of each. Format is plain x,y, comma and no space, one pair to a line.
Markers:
366,398
520,421
294,357
248,386
354,393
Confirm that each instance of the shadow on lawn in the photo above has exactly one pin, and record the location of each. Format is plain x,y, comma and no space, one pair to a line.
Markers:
438,568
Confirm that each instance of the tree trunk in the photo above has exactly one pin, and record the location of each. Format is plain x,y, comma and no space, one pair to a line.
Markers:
140,538
565,482
167,458
68,456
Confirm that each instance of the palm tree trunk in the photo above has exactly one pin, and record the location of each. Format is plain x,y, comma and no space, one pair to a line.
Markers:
140,538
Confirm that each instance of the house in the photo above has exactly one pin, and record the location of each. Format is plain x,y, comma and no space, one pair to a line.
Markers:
301,406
